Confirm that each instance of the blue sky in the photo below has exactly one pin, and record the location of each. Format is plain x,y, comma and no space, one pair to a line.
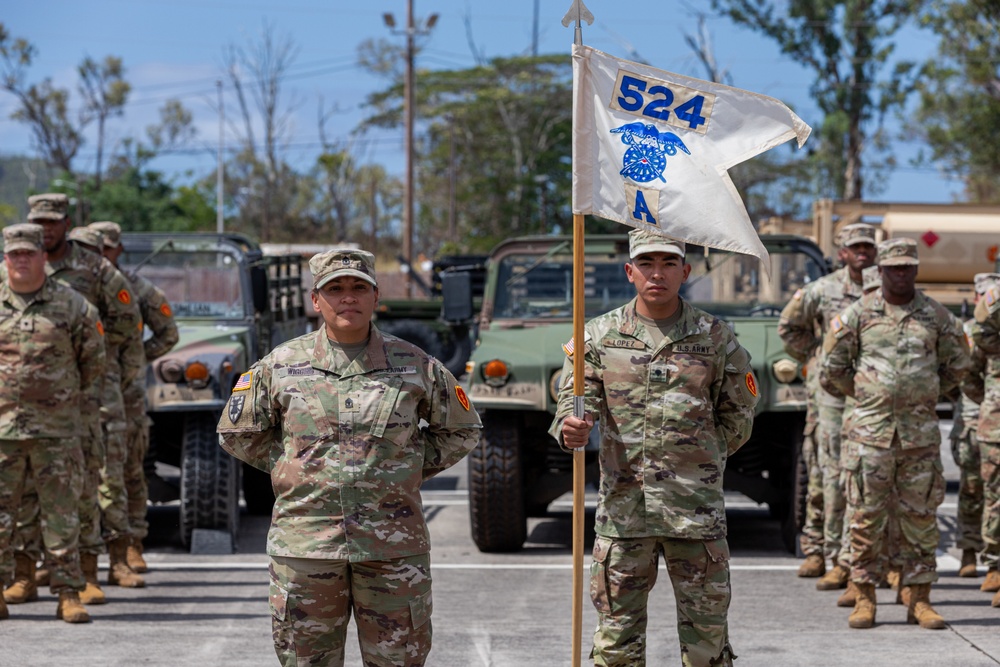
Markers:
173,48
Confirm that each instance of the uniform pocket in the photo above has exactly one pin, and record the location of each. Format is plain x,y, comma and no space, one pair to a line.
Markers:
421,608
279,601
935,495
599,575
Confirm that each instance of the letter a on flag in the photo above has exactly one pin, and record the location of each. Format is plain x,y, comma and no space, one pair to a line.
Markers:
651,149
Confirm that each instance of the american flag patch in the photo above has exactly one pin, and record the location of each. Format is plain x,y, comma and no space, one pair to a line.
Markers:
837,324
244,382
568,348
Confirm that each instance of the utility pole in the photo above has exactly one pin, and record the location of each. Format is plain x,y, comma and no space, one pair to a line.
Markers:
409,112
219,221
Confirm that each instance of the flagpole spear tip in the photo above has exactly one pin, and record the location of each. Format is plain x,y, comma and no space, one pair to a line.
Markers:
578,12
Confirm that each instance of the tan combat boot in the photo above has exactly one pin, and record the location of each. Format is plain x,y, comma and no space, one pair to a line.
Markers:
992,582
996,600
893,579
92,593
968,568
70,609
133,555
863,615
849,597
120,574
813,566
919,609
834,579
24,588
43,575
903,596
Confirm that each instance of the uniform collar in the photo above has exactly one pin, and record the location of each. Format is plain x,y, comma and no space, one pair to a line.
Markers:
878,301
326,357
7,295
632,326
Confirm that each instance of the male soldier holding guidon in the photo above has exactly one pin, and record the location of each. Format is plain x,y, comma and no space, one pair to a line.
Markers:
158,318
51,364
895,351
96,280
674,394
986,334
801,327
334,416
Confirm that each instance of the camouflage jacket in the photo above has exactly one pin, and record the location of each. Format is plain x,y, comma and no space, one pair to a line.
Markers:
967,404
669,417
343,444
805,319
51,363
983,384
105,287
896,371
158,320
987,315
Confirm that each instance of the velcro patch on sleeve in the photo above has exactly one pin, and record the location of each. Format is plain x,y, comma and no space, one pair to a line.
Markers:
245,382
125,297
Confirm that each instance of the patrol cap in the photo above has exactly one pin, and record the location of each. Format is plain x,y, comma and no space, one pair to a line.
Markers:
87,236
871,279
641,241
23,236
112,232
342,262
858,232
983,281
898,252
48,206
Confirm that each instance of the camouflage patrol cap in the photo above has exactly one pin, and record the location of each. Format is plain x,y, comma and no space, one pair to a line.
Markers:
48,206
859,232
87,236
898,252
871,279
641,241
342,262
983,281
23,236
112,232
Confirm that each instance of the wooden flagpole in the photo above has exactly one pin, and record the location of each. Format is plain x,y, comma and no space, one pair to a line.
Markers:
579,461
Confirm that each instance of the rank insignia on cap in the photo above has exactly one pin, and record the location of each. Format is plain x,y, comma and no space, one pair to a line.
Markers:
751,384
165,309
462,397
100,327
244,382
568,348
125,297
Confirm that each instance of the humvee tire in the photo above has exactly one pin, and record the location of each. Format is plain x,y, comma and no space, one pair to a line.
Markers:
496,486
210,479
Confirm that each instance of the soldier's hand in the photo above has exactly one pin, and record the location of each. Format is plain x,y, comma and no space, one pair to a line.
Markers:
576,431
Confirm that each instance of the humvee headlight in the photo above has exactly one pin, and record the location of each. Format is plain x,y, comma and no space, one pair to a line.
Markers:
495,373
197,374
171,371
785,370
469,367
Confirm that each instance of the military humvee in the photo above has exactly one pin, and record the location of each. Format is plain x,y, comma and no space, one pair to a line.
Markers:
518,470
232,306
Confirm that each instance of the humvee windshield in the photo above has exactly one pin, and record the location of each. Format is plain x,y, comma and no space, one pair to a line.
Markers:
540,286
197,283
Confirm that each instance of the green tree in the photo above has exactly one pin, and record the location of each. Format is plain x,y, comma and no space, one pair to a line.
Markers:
959,111
104,91
493,155
848,45
143,201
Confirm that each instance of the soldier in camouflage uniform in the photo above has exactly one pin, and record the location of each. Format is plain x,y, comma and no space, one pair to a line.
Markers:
801,326
51,364
965,448
334,417
986,334
104,287
158,319
675,396
895,351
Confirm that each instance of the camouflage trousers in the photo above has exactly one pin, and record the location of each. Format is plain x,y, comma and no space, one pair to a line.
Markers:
312,600
28,536
56,465
136,489
965,450
834,502
813,525
111,492
621,577
990,556
917,477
